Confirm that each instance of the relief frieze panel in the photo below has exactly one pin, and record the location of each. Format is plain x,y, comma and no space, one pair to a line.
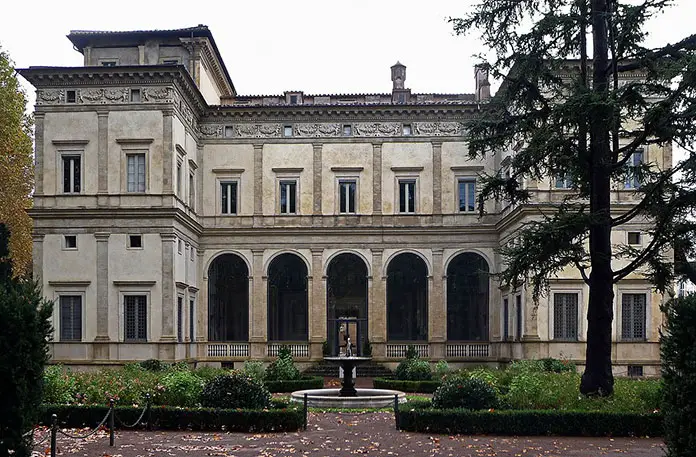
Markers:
105,96
377,129
438,128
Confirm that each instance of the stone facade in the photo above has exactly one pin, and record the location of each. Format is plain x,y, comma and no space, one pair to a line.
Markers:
149,167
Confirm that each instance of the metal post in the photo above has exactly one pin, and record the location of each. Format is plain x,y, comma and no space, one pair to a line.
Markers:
305,411
54,432
149,412
111,422
396,410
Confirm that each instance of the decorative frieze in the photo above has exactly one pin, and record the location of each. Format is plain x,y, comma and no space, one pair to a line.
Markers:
331,130
104,96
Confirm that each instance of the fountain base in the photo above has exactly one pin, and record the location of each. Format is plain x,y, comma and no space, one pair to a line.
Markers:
364,398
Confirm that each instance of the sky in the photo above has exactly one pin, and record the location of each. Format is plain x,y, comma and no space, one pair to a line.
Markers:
317,46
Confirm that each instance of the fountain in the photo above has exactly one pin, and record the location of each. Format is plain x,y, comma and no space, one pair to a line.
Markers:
348,396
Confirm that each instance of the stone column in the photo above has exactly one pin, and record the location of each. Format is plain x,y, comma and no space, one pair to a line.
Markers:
102,152
167,151
38,153
317,313
437,179
168,242
530,328
437,312
102,286
37,257
258,307
258,183
377,179
317,182
377,309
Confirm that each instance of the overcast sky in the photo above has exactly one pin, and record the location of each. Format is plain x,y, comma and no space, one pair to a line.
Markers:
320,46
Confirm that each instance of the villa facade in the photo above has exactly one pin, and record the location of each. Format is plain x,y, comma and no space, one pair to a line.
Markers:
176,219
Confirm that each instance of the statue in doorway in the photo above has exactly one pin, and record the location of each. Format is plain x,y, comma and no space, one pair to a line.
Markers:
349,348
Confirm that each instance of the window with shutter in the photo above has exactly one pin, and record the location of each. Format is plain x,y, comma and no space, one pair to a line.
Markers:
135,317
633,316
71,318
565,317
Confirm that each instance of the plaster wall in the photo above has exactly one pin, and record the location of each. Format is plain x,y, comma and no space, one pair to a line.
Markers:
207,86
231,162
287,156
340,157
407,155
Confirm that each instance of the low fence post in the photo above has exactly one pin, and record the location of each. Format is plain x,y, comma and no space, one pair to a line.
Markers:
54,432
396,410
304,401
149,411
111,422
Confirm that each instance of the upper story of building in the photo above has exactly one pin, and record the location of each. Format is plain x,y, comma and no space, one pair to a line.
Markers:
152,120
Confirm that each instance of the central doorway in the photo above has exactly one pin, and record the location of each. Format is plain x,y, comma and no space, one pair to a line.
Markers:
346,303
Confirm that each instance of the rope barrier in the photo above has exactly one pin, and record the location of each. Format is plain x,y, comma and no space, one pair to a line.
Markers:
78,437
135,424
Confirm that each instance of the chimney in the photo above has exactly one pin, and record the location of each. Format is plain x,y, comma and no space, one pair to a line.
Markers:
398,76
483,87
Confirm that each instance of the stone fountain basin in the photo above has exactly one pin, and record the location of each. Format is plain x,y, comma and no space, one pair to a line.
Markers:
367,398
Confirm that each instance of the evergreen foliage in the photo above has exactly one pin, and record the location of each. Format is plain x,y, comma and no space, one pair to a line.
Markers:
235,390
465,392
679,376
283,368
581,93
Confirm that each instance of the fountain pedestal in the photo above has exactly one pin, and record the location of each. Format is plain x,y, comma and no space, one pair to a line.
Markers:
348,382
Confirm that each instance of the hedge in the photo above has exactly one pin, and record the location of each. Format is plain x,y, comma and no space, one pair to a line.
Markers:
314,382
520,423
424,387
174,418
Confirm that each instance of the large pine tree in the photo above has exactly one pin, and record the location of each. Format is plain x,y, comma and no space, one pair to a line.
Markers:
581,93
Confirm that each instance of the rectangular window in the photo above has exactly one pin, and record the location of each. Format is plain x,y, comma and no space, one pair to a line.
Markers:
136,172
288,197
518,317
635,371
565,317
347,130
633,309
632,176
287,130
634,238
72,174
70,242
108,63
170,62
135,241
192,318
179,179
135,95
179,247
70,96
293,99
228,193
407,129
563,182
467,195
347,196
71,318
193,253
192,190
506,320
228,131
135,318
407,196
180,319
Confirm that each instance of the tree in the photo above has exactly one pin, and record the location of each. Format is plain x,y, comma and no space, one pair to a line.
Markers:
16,167
581,94
24,329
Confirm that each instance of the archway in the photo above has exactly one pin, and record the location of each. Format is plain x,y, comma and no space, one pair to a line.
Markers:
288,310
407,298
467,298
228,299
346,297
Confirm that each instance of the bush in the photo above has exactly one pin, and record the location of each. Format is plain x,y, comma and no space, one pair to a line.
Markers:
678,350
314,382
465,392
442,369
254,368
153,365
59,385
181,388
413,369
283,368
235,390
557,366
424,387
530,423
411,352
24,329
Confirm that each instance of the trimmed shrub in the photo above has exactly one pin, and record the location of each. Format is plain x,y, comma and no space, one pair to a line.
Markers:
235,390
411,352
314,382
278,418
465,392
424,387
181,388
254,368
441,369
413,369
678,350
283,368
153,365
530,423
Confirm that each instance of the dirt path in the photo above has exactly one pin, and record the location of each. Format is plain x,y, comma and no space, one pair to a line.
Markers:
350,434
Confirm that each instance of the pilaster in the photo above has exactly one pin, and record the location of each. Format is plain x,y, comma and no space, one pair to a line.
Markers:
38,153
37,257
317,165
102,239
437,313
317,312
377,178
258,307
258,180
167,151
437,178
102,152
377,309
168,242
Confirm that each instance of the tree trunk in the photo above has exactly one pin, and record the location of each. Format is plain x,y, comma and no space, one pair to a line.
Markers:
597,378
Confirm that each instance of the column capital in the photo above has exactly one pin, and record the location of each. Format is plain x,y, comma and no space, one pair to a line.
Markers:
168,236
317,251
376,251
377,144
317,146
436,143
102,236
102,113
257,251
168,112
437,251
258,147
37,237
39,115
